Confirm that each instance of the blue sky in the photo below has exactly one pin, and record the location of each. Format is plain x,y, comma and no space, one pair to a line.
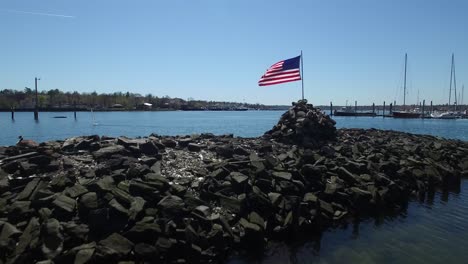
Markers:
218,49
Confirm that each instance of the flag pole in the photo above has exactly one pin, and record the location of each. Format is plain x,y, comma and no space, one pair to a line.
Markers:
302,76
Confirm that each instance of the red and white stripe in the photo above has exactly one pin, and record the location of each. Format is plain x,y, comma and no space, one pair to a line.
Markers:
275,75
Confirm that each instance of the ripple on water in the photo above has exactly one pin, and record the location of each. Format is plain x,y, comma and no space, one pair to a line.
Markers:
432,231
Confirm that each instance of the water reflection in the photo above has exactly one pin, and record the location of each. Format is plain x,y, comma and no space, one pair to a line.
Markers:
429,230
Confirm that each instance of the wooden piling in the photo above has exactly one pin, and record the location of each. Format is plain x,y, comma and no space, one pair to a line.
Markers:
373,108
74,106
36,108
431,107
391,108
355,106
383,110
423,106
12,113
331,109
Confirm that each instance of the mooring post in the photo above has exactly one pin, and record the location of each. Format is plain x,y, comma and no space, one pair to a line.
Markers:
74,106
383,110
36,108
331,109
12,113
391,108
355,106
431,107
373,108
423,106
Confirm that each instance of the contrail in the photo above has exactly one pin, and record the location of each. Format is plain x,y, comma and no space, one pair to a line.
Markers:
36,13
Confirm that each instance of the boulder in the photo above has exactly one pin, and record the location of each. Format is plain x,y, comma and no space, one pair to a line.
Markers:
114,246
171,205
52,238
109,151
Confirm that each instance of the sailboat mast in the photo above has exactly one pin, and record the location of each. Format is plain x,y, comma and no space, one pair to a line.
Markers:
451,77
302,75
454,82
404,85
462,101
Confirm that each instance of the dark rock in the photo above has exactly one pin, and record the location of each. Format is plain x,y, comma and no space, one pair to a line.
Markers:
282,175
238,178
64,204
146,252
225,151
75,233
254,235
75,191
8,237
29,240
138,188
164,245
115,246
137,171
52,238
347,176
232,204
60,182
109,151
171,205
238,150
193,147
144,232
122,196
19,210
40,160
149,148
98,220
89,201
170,143
361,198
136,208
149,161
24,195
85,253
184,142
117,210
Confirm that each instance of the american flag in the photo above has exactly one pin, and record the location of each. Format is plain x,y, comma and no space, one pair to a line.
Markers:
281,72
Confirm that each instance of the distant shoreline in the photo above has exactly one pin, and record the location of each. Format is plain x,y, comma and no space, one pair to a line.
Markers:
129,110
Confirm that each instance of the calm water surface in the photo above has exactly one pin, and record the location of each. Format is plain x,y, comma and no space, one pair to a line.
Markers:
243,124
431,231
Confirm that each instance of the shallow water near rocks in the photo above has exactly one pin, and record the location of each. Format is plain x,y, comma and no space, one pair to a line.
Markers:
429,231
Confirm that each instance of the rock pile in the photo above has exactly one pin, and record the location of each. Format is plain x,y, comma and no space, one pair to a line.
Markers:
303,124
193,199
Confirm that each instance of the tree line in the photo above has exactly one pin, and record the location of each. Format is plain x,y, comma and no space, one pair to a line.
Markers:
57,99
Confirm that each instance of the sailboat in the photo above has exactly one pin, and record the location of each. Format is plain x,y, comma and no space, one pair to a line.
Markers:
406,113
450,114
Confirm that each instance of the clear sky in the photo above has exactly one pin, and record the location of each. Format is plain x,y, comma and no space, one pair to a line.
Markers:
218,49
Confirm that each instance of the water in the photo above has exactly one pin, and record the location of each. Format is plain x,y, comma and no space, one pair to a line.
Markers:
430,231
239,123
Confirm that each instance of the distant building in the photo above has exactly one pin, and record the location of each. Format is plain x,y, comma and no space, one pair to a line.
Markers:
118,106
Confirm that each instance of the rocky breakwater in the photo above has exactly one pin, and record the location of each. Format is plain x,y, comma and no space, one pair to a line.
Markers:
195,198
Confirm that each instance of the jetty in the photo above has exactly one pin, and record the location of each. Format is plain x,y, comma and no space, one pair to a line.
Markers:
198,198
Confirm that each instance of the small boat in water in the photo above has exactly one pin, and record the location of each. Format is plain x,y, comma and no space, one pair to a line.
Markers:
348,111
446,115
407,114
